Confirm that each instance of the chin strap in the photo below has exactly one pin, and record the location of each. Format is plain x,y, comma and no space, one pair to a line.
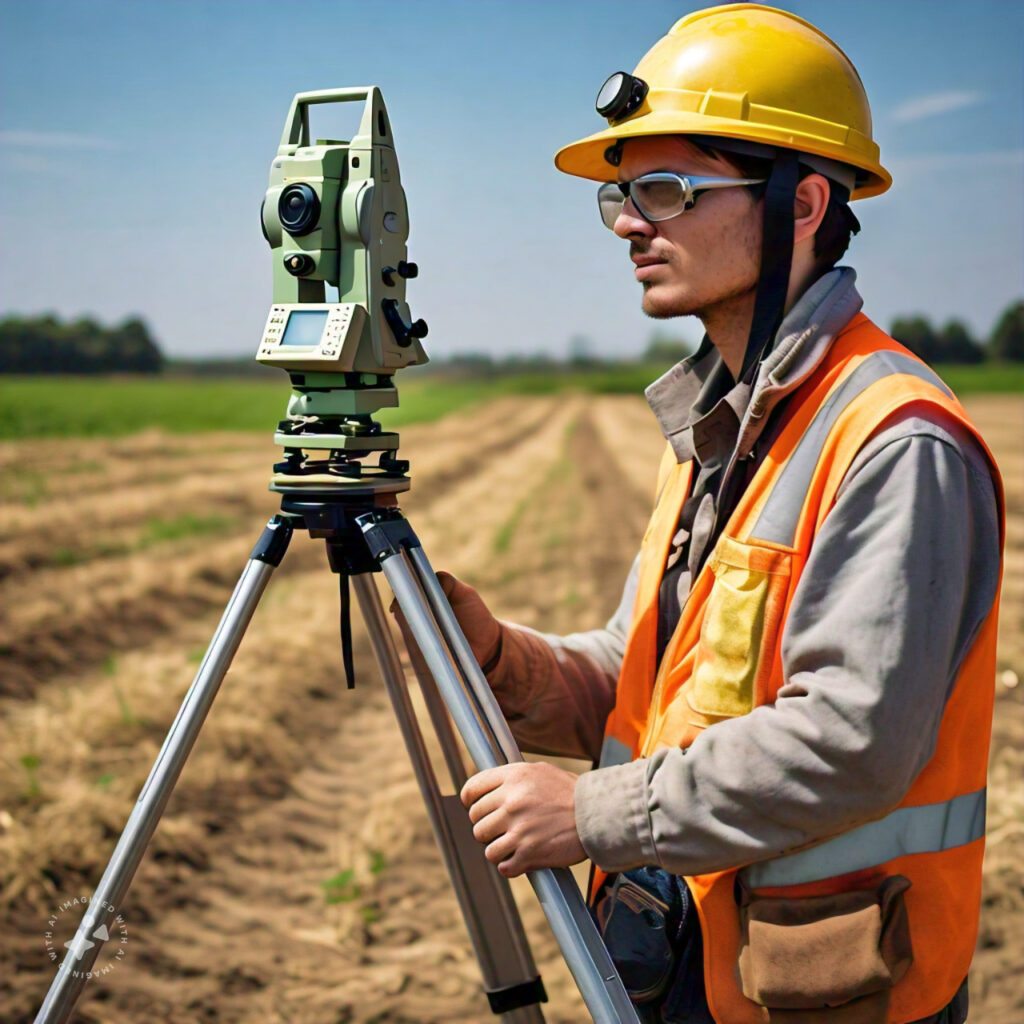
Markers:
776,261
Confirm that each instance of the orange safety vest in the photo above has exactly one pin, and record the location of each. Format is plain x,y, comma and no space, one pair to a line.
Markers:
724,659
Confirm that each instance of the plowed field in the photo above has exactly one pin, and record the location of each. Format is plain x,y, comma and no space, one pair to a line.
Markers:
294,877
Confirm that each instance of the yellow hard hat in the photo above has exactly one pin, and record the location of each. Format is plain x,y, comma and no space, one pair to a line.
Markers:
745,72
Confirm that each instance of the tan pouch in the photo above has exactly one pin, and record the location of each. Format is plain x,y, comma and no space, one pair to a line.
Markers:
812,957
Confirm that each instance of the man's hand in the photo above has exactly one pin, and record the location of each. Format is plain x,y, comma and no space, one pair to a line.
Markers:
480,627
524,812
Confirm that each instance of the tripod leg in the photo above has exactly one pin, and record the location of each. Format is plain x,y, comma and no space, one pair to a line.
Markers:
487,741
441,721
477,684
103,906
492,919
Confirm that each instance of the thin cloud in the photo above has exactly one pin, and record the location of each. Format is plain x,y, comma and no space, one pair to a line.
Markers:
993,158
54,140
1002,165
936,103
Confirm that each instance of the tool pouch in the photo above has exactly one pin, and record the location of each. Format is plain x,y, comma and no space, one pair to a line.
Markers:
640,919
841,954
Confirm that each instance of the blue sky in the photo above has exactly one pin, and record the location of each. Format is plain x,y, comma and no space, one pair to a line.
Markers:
136,138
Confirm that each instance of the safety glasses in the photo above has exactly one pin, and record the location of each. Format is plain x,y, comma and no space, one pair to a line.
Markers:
659,196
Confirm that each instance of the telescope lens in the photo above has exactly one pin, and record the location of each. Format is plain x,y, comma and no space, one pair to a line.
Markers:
298,209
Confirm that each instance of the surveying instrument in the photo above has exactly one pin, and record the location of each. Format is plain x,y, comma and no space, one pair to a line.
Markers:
335,214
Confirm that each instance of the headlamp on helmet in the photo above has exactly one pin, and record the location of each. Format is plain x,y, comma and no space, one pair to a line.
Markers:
620,96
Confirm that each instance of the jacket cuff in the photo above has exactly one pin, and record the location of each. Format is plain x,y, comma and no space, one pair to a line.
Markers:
612,819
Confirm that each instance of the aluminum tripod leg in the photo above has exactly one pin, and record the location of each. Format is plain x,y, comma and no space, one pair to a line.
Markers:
502,951
490,743
105,903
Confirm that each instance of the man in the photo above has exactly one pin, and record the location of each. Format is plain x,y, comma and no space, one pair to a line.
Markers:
791,705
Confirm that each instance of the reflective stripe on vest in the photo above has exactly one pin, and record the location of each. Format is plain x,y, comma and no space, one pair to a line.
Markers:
929,828
778,519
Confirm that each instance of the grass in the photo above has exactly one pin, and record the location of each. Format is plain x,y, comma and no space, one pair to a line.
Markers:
31,763
344,888
988,378
159,530
155,531
127,714
32,407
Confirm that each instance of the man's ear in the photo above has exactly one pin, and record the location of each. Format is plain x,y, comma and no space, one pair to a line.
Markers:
809,206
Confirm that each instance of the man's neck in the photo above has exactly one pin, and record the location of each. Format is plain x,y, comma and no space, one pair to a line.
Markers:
728,327
728,323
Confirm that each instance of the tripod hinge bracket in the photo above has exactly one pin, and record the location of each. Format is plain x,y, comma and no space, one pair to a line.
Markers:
273,542
386,532
512,997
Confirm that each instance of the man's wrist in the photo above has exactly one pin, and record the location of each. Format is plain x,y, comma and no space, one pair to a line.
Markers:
612,819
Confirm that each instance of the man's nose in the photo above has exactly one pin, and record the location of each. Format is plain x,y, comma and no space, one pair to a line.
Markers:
630,223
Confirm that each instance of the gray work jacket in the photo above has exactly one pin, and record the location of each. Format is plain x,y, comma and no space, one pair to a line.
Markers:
903,572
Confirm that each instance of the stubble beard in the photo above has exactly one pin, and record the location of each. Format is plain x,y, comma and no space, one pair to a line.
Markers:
678,301
670,306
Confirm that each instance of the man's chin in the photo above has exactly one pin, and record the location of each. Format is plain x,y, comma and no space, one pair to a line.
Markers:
659,306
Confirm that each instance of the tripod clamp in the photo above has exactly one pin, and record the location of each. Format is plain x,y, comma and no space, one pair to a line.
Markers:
274,540
343,522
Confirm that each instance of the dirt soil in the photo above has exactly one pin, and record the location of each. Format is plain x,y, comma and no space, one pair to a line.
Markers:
294,877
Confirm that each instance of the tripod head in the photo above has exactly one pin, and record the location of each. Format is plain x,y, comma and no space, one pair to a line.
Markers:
335,215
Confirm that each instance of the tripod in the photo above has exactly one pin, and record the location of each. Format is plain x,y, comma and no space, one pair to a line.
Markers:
366,532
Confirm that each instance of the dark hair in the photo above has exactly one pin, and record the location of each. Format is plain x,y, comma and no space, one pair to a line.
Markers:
837,227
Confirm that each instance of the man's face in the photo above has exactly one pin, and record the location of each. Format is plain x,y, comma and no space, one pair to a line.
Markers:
707,255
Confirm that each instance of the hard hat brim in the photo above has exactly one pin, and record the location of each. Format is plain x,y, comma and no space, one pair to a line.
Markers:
585,158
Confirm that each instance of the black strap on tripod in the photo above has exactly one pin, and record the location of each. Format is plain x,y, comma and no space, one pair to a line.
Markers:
346,630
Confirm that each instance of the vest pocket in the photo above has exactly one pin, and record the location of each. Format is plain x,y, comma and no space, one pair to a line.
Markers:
740,628
842,952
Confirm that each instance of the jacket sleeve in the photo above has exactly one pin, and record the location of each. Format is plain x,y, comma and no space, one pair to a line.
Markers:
903,572
557,691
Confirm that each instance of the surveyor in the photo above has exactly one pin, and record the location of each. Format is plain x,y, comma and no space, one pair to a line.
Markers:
789,711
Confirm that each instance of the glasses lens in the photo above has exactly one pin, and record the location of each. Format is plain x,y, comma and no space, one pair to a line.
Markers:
609,201
658,198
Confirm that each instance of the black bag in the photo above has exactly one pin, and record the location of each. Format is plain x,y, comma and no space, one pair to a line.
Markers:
650,925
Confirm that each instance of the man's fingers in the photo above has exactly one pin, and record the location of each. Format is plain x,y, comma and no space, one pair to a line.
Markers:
488,803
513,867
501,849
448,582
481,783
490,827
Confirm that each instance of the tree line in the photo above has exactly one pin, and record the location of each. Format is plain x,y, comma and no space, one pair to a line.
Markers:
951,343
46,345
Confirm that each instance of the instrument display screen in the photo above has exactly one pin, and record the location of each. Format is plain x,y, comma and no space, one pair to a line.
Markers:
305,327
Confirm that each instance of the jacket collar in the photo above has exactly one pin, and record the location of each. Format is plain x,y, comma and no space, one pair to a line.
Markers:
701,410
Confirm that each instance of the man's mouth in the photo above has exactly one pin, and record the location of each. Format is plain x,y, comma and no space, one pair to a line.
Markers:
646,265
645,260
